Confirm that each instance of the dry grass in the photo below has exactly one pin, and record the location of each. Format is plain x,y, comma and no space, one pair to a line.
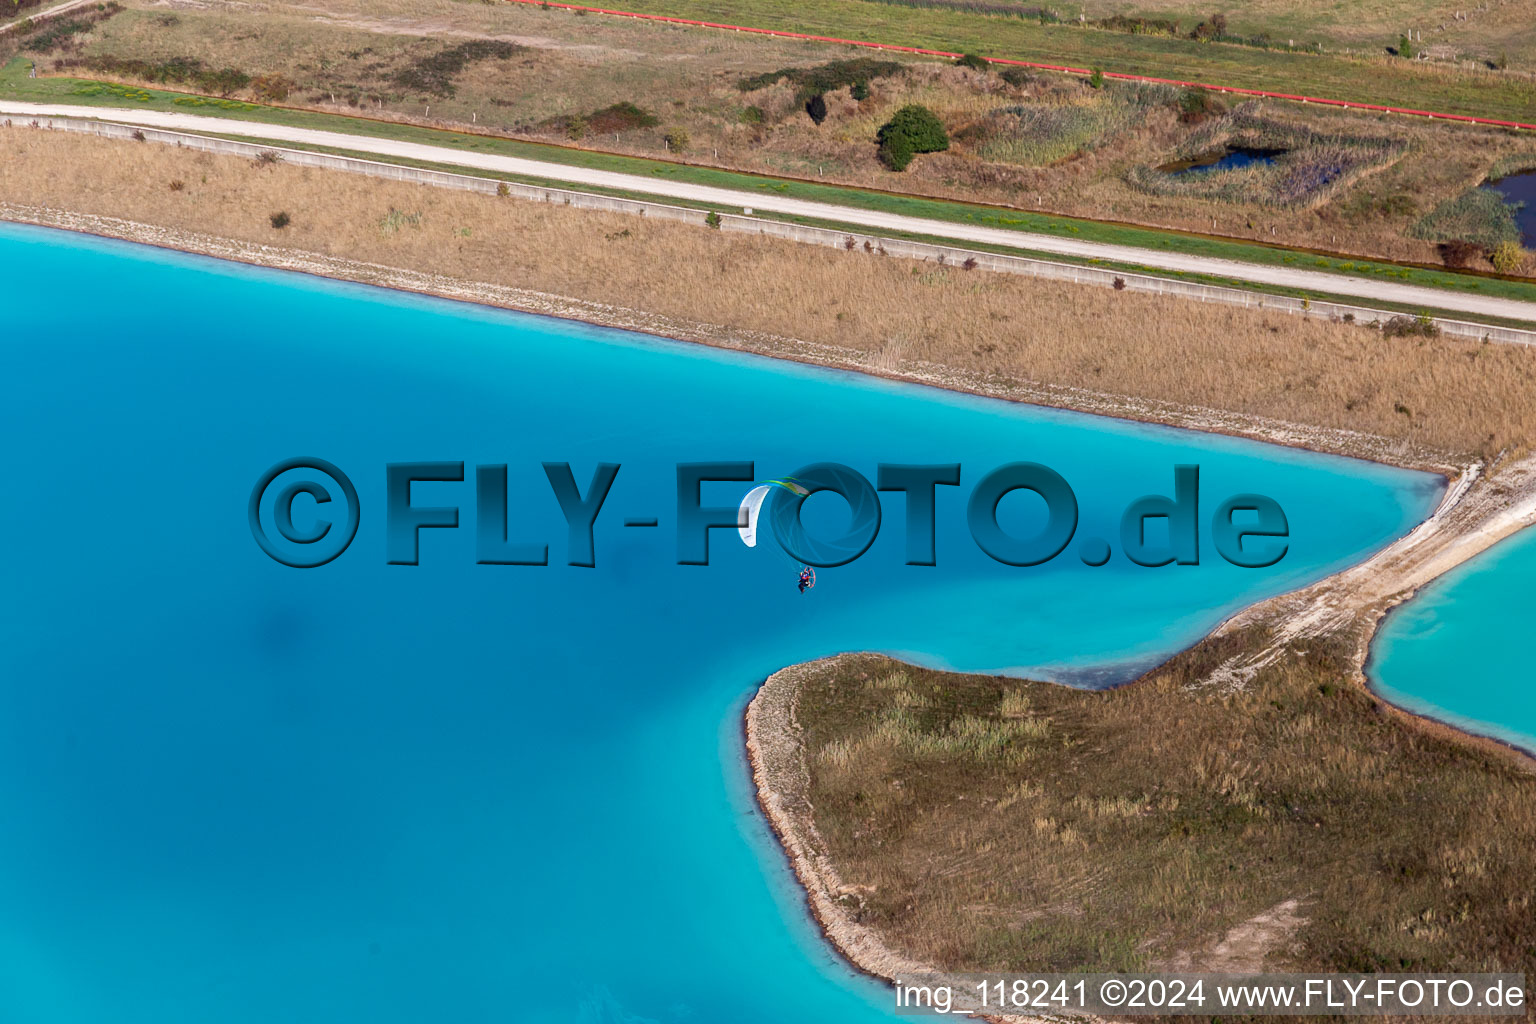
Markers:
1441,393
1127,829
344,55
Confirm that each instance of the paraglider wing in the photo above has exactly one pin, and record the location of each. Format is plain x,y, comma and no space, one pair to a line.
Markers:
746,517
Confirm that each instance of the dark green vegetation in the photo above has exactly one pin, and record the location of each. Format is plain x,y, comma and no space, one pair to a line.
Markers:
62,34
985,823
610,120
824,78
1478,215
433,74
911,130
1385,81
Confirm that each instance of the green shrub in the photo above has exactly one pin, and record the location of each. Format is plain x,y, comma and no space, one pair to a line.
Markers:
1404,46
1017,77
575,128
621,117
752,115
816,108
823,78
712,220
859,91
1508,257
280,219
974,61
896,152
911,130
677,139
1096,79
1197,104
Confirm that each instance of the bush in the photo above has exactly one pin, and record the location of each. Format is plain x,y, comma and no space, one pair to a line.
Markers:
176,185
434,74
1197,104
1421,326
621,117
677,139
859,91
816,108
712,220
575,127
752,115
1096,79
1017,77
823,77
1404,46
896,152
280,219
1459,253
503,190
974,61
911,130
1508,257
271,88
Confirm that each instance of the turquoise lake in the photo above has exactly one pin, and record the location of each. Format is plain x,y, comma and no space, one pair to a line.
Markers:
240,792
1458,651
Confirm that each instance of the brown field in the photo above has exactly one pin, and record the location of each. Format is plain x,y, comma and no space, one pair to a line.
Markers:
1437,393
346,55
1449,27
990,824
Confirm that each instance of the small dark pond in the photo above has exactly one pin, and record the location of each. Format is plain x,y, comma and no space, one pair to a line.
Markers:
1227,158
1519,191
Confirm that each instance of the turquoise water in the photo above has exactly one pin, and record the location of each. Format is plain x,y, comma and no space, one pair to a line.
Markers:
240,792
1460,649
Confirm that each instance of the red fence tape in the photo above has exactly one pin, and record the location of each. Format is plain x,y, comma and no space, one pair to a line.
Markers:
1347,104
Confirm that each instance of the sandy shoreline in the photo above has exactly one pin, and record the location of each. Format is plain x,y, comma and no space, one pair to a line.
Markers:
1479,509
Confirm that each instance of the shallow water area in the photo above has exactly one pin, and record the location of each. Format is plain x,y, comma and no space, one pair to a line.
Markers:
1459,650
1227,158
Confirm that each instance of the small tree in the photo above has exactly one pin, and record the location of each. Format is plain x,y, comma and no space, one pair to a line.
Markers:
911,130
677,139
1404,46
816,108
1096,79
712,219
1508,257
1459,253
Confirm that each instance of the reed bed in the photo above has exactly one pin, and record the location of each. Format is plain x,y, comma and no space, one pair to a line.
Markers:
1312,166
1443,393
1142,824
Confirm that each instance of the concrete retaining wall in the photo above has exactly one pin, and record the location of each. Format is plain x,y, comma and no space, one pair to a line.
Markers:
857,242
